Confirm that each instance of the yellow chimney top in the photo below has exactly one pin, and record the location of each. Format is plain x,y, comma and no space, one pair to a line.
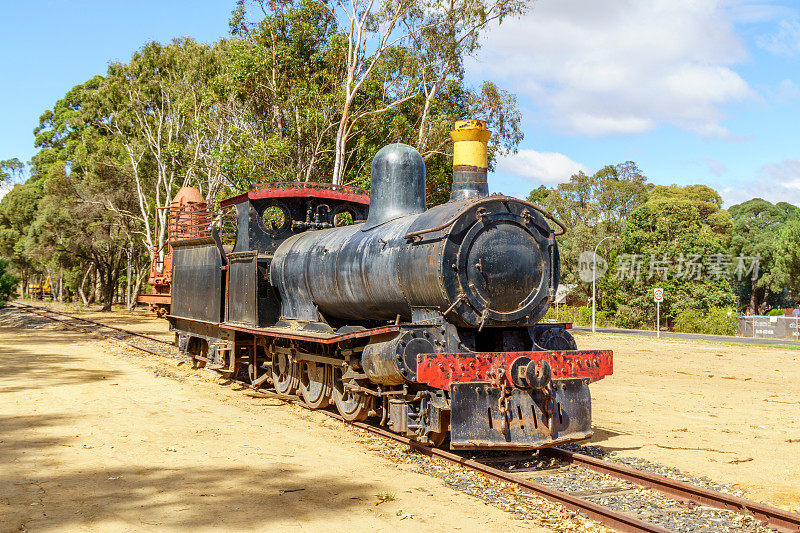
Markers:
469,143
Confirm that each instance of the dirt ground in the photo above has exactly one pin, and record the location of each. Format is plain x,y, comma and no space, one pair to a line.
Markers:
93,438
87,435
728,412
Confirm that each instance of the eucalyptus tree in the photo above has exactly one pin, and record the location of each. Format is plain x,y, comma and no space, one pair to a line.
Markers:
11,170
757,226
326,84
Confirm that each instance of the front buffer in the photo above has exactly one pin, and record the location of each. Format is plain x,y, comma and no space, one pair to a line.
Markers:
522,400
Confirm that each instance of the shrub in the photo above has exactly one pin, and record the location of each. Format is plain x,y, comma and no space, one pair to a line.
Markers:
8,283
775,312
722,321
718,321
629,317
689,321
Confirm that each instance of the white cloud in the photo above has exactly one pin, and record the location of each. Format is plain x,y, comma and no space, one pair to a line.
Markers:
776,182
786,91
786,42
624,66
544,167
715,167
784,174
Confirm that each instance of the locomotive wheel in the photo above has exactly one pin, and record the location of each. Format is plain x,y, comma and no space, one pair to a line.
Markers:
353,406
285,375
436,439
556,339
315,384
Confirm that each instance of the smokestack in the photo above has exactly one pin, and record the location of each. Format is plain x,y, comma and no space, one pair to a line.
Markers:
469,159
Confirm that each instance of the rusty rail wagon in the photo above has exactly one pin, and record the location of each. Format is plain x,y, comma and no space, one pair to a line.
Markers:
428,320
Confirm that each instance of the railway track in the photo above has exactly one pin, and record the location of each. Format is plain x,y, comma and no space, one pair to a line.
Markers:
603,486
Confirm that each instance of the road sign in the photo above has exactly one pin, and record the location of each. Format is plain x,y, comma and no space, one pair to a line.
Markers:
658,295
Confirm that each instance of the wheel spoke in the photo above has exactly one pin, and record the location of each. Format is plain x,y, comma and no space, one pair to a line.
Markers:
353,406
315,384
285,375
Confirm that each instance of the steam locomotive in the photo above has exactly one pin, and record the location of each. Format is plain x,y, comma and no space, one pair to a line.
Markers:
428,320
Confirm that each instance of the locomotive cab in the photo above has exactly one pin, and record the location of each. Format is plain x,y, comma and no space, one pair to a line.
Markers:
265,217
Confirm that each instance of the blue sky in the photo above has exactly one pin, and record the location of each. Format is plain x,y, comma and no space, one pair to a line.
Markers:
693,91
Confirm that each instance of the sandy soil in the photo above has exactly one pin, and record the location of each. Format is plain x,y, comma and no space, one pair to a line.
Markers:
728,412
93,438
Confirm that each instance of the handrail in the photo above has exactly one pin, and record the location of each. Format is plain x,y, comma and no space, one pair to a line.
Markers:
547,214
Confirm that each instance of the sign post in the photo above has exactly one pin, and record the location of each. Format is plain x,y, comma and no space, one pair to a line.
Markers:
658,296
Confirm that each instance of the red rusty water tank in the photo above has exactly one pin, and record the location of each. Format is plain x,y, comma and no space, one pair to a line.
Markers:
189,217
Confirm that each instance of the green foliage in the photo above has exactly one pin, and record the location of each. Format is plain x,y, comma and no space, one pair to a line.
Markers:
757,226
787,255
775,312
11,170
580,316
288,76
592,207
718,321
630,317
8,283
264,105
661,231
675,224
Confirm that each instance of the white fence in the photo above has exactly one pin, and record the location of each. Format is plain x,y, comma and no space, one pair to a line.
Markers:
769,327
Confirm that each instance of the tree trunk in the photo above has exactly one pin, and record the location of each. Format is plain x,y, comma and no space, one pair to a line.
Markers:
763,307
48,275
752,308
106,289
96,292
137,287
61,284
128,277
82,294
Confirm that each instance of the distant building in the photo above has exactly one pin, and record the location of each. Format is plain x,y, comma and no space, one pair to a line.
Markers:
566,294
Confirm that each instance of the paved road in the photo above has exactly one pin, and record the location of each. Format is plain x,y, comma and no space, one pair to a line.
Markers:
692,336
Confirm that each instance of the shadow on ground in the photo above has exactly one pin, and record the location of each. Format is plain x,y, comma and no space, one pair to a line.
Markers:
43,365
38,493
601,437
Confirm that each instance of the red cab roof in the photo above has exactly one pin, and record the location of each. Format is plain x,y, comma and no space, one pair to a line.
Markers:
301,189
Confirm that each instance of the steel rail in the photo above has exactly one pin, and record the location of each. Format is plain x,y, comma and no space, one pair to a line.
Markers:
33,309
606,516
168,343
774,517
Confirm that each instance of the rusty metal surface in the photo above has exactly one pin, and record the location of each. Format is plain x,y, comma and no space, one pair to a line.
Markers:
296,334
469,181
301,190
188,218
444,369
154,298
487,417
